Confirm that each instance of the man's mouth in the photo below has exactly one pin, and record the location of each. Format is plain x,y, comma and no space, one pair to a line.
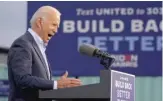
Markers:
50,35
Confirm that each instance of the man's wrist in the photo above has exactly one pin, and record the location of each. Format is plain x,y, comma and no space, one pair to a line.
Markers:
55,85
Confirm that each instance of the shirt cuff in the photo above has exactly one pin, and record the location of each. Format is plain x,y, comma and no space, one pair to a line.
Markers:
55,85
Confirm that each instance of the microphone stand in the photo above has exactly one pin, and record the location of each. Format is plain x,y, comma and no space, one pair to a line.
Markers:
105,59
107,62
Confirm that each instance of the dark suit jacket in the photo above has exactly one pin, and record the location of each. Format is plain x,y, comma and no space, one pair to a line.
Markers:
26,70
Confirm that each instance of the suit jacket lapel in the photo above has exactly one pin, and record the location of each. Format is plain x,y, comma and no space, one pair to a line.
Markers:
38,51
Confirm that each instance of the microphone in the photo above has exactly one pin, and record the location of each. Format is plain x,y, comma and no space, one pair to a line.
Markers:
90,50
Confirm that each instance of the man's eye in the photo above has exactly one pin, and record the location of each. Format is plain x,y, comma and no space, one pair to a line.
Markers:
54,24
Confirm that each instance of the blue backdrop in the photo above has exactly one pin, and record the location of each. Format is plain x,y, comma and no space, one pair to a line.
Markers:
129,31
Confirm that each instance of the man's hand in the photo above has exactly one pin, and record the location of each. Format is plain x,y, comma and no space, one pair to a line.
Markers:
65,82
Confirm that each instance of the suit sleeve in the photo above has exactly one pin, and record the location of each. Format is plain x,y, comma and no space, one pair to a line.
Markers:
20,63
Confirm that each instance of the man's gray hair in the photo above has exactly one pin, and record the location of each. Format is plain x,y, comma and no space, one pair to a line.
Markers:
42,13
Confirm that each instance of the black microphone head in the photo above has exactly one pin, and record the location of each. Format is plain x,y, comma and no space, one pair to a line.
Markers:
87,49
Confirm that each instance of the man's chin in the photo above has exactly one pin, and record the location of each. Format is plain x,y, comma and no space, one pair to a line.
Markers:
46,41
49,38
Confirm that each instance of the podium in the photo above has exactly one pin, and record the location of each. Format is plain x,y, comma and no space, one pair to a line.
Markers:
113,86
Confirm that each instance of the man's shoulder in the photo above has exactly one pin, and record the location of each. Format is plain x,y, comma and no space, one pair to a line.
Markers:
23,40
21,45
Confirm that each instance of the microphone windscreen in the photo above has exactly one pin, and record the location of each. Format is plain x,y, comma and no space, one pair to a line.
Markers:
87,49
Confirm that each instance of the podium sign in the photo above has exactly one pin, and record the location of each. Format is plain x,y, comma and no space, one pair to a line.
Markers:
122,86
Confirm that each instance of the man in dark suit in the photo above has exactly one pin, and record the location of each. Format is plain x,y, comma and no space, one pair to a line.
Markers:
28,67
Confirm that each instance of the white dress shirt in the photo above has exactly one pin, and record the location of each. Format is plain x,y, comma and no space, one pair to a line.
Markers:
42,47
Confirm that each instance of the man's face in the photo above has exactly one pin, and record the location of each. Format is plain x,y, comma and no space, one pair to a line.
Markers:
49,27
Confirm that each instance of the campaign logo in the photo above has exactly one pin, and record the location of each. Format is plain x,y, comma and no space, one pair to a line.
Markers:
125,60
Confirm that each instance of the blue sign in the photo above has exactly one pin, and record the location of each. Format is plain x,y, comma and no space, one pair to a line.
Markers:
129,31
122,86
4,88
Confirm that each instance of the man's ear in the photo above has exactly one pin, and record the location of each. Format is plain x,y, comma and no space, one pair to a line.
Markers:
39,22
42,21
